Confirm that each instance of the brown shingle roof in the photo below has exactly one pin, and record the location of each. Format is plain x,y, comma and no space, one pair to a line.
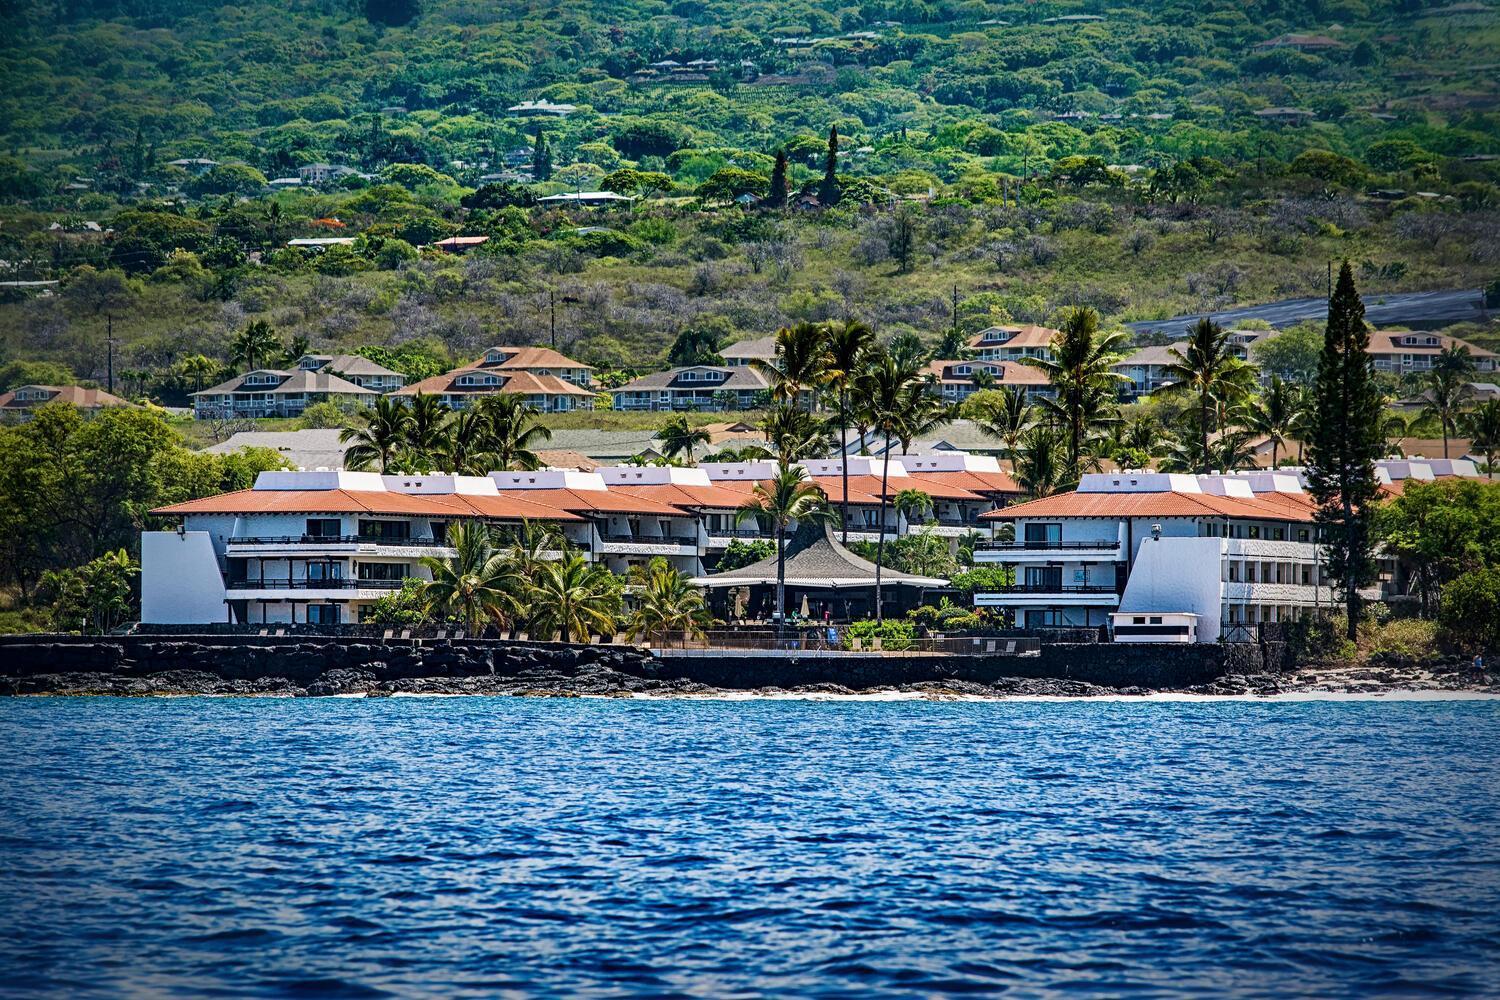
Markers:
84,399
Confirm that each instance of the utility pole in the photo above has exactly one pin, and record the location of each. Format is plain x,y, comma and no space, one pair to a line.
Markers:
109,347
552,299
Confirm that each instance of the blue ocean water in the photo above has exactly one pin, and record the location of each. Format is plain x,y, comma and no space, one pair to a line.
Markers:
472,846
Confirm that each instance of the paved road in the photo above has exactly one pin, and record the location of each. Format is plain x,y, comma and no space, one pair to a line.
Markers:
1419,310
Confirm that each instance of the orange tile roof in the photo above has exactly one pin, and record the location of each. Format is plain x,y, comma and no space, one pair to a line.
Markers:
1276,507
974,482
1011,373
531,357
685,496
1025,336
1384,342
610,501
870,486
506,506
522,382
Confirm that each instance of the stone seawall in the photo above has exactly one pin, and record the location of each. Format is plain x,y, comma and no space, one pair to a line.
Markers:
224,664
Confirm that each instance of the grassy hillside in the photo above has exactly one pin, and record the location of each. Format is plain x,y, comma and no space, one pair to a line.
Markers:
990,154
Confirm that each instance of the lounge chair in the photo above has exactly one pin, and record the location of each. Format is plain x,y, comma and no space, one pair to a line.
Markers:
264,631
406,633
523,637
877,645
459,634
388,633
442,633
857,644
989,647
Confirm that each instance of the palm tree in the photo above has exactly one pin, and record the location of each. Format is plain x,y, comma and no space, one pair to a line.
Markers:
1455,359
666,602
572,599
1278,414
255,344
914,505
426,433
1208,369
678,438
295,349
1082,379
923,412
378,442
1447,389
476,582
197,367
513,430
1038,470
787,497
466,450
848,345
745,453
801,362
1482,424
888,392
794,433
1005,414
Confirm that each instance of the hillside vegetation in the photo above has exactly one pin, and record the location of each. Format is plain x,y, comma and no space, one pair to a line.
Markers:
993,163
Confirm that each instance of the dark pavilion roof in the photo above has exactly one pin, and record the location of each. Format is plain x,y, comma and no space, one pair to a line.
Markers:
815,559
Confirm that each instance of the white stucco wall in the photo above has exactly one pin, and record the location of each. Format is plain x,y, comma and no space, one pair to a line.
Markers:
180,579
1177,574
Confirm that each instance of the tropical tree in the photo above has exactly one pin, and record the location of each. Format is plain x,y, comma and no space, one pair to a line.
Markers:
678,439
794,433
1208,370
377,441
914,505
1040,468
426,438
255,344
1445,392
1482,424
849,344
801,362
197,367
476,582
789,496
923,412
573,599
887,390
1003,413
1278,414
513,429
295,349
664,601
1082,379
465,450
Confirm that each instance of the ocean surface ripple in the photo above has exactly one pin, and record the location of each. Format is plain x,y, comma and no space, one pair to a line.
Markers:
315,847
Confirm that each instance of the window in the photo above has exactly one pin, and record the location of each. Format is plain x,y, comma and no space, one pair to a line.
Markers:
325,571
963,370
1254,531
322,614
324,527
1303,535
384,531
1040,535
1156,619
1044,619
381,571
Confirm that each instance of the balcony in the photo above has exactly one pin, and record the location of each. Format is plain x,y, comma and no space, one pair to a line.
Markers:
1048,595
334,540
282,583
1048,546
1052,588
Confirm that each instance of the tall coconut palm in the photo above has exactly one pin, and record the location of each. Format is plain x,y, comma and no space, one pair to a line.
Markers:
197,367
466,444
801,362
426,433
476,582
849,343
295,349
887,391
1482,424
1005,414
678,439
255,345
789,496
1207,369
513,431
1083,382
665,602
573,599
1278,414
922,412
914,505
794,433
1445,392
377,441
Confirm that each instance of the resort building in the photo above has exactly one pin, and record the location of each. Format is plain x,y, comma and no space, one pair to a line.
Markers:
549,381
1012,343
1224,549
1146,369
270,392
18,403
696,387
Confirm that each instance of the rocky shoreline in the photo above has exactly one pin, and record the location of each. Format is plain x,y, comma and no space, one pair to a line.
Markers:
142,666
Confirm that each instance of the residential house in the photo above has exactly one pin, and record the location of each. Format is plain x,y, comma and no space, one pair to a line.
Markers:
696,387
586,199
746,352
1286,116
1402,351
541,108
956,381
195,165
1302,43
354,368
270,392
459,244
19,402
1147,369
323,173
549,381
1012,343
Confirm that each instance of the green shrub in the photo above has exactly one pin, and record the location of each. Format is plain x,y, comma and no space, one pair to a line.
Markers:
1470,610
893,633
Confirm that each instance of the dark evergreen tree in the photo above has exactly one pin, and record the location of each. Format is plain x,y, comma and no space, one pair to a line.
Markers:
776,198
541,158
1343,441
828,190
392,12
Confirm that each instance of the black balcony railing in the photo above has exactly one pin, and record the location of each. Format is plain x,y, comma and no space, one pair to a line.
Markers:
274,583
333,540
653,539
740,533
1048,546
